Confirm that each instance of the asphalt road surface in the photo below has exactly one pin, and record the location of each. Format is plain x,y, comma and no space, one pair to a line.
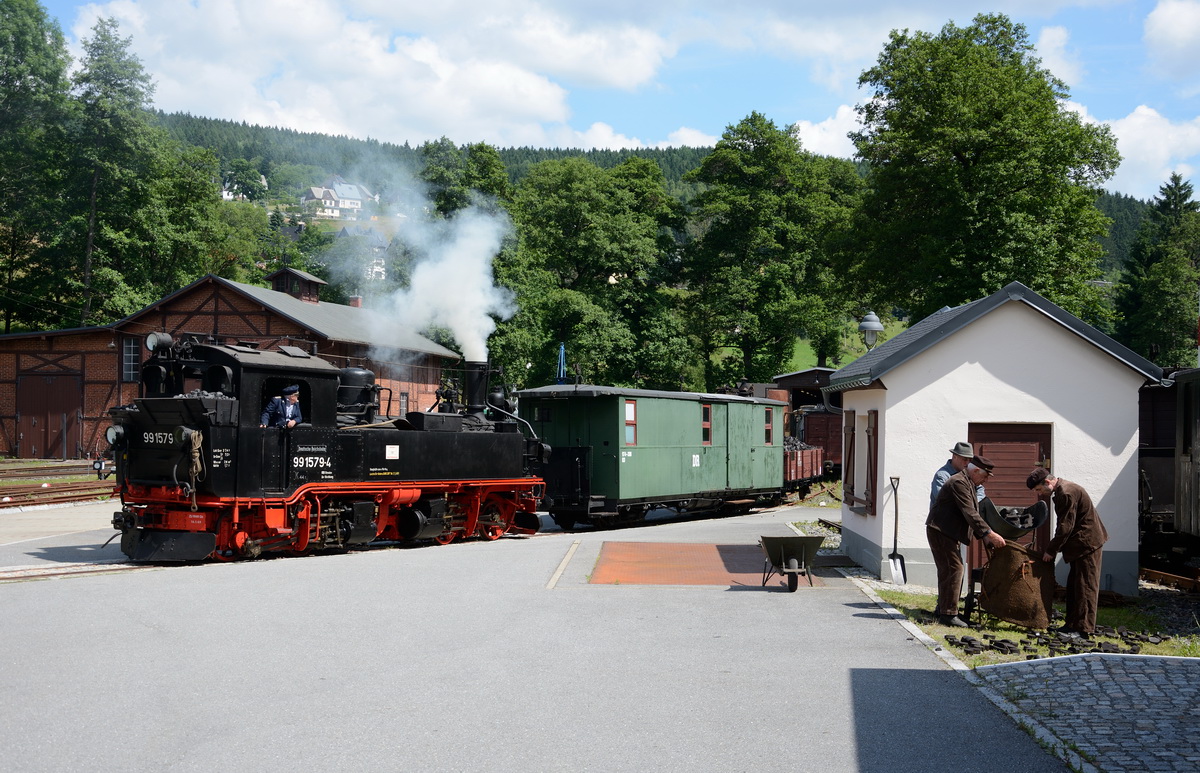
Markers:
474,656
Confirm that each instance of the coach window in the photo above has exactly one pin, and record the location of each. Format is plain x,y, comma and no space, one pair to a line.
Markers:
131,359
706,424
769,437
631,422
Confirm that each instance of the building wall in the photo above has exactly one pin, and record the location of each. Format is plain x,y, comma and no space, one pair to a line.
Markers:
1013,365
86,356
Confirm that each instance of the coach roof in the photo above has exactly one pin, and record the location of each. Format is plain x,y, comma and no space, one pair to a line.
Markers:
592,390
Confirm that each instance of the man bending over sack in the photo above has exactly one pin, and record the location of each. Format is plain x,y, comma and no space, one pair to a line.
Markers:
952,519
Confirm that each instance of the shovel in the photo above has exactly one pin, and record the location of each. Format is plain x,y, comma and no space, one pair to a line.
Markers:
898,576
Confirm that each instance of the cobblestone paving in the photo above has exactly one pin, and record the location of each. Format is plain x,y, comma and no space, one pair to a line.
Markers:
1122,713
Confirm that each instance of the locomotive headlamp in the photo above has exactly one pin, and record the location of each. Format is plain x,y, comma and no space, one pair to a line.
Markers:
114,434
156,341
183,436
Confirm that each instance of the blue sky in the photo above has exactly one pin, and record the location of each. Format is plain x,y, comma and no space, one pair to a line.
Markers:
633,74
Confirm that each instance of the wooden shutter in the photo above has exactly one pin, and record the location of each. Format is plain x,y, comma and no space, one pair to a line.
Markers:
872,461
848,457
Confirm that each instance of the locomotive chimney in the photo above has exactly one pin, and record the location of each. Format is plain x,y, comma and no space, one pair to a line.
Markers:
476,377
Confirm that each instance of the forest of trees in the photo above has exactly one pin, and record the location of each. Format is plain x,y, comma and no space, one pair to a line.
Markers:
685,267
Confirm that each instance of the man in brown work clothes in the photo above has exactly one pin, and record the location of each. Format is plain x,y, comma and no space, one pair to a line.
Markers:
1080,537
952,519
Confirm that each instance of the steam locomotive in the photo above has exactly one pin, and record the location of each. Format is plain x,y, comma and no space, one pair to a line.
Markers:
200,478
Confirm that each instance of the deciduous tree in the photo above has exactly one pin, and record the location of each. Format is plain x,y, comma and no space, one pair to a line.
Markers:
33,94
586,270
980,173
760,263
245,179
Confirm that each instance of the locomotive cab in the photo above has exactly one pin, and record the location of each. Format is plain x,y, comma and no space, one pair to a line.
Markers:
200,410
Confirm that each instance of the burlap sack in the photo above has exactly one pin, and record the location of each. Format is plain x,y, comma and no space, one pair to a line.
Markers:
1018,586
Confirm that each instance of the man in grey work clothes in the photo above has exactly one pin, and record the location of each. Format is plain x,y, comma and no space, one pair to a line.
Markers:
960,456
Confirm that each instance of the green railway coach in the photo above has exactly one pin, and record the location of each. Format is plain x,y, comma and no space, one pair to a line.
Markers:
619,452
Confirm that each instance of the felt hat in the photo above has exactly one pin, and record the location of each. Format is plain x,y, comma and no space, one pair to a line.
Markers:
963,449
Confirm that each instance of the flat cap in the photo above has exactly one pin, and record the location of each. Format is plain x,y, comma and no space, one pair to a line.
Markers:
982,462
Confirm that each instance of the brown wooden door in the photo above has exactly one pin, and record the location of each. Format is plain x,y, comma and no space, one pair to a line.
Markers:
49,408
1015,449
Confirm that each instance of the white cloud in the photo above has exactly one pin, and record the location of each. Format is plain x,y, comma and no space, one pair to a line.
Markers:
685,137
606,50
828,138
1153,147
1057,58
837,50
618,56
310,66
510,72
1172,36
598,135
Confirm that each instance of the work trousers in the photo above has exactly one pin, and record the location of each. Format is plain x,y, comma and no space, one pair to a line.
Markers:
949,563
1083,592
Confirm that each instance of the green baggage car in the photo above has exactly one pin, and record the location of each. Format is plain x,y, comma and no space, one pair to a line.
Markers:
618,453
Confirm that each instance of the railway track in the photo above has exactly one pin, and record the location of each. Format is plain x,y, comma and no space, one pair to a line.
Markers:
26,494
11,471
26,573
1190,584
53,487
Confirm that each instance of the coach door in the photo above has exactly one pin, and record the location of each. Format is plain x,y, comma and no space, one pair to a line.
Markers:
744,431
49,412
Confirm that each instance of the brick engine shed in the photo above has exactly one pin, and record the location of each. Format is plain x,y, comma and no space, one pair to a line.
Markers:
57,386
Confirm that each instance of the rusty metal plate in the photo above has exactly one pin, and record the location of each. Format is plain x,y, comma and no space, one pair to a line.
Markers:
681,563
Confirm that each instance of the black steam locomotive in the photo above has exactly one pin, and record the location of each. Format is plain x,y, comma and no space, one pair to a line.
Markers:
200,478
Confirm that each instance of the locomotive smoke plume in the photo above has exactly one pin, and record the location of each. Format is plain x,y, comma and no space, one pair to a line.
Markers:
453,286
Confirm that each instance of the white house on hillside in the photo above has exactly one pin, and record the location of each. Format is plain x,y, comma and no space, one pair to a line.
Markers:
338,199
1024,381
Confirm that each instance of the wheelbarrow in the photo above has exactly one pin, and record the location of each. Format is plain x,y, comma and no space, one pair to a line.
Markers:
791,556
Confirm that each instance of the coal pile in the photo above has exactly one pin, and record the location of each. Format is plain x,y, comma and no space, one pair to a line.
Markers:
1018,518
1055,643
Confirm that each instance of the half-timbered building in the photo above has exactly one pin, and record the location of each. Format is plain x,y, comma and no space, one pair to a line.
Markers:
57,386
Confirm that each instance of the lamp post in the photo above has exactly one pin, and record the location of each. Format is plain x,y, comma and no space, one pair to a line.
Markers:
870,328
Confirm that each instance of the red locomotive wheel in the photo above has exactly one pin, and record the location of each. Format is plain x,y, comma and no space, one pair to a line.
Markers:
491,532
445,539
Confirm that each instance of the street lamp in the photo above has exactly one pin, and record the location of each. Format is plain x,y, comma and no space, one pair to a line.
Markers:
870,328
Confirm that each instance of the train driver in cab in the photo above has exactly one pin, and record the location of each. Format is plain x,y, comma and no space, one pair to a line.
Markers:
283,411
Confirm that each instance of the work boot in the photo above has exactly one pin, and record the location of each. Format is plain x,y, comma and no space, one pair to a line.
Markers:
954,621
